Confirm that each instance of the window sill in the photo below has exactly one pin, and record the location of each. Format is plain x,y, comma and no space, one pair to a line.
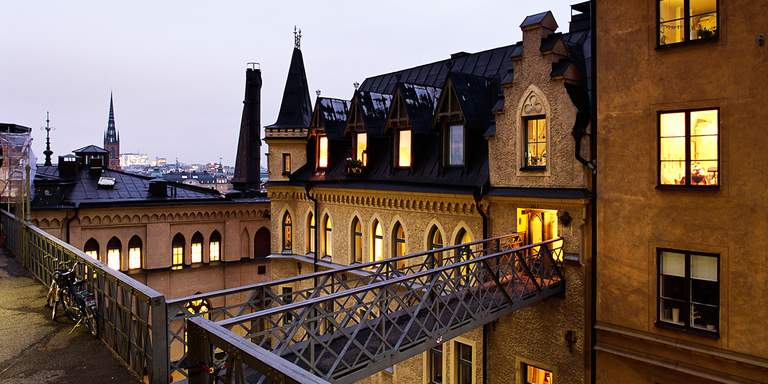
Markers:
533,169
661,47
687,330
678,187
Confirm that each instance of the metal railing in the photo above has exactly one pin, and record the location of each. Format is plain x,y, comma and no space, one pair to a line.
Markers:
352,333
131,316
234,302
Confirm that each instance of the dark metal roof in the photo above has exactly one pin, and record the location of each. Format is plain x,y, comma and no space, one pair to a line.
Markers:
91,149
539,18
420,102
332,115
296,107
14,128
375,108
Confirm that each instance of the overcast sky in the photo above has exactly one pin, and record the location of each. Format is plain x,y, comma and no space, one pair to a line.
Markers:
177,68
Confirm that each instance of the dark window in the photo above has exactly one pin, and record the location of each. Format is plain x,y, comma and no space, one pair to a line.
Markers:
435,364
398,238
287,297
327,236
287,232
357,241
177,251
286,163
680,21
455,144
463,363
535,142
536,375
689,290
689,148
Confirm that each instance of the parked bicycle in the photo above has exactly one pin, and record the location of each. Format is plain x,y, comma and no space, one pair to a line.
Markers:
78,302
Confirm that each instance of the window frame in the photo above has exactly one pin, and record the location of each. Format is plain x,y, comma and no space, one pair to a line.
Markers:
526,166
132,245
320,138
457,361
374,237
311,230
687,327
447,144
687,185
327,236
398,132
686,26
524,370
357,258
363,156
429,375
217,241
174,245
283,227
286,164
397,241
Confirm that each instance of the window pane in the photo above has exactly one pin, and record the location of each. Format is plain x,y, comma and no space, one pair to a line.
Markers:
704,267
673,287
704,292
456,134
536,143
672,312
699,7
673,264
134,258
436,365
113,259
672,32
93,254
704,26
671,9
534,375
404,152
214,251
362,143
704,317
197,252
323,153
672,124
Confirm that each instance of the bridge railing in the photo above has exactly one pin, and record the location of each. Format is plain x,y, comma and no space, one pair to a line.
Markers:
349,334
243,300
131,316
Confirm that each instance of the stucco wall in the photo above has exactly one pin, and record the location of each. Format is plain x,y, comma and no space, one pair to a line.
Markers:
297,149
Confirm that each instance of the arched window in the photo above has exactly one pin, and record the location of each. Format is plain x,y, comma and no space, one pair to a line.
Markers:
311,233
327,236
435,241
377,241
91,248
287,232
245,244
261,243
534,124
398,240
214,247
134,252
113,253
357,241
463,253
177,251
197,248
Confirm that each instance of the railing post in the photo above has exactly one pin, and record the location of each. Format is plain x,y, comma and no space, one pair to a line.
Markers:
159,340
199,353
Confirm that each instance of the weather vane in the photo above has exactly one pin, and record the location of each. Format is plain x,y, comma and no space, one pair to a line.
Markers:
297,37
356,85
318,92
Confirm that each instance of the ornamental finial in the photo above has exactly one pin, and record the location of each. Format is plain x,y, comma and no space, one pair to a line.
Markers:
296,37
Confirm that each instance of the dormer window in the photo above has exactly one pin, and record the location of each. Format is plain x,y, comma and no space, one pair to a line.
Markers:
456,145
322,152
404,148
361,147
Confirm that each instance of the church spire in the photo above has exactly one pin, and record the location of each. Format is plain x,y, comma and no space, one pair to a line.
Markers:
47,151
111,138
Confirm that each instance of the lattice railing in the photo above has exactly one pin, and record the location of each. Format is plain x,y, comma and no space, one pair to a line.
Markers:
353,332
244,300
127,310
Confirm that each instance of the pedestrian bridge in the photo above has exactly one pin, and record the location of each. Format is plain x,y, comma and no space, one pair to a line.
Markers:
337,325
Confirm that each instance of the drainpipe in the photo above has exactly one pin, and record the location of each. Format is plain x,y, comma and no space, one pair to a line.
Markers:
68,220
313,199
593,211
478,195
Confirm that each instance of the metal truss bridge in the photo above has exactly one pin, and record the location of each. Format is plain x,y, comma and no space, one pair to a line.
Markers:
342,325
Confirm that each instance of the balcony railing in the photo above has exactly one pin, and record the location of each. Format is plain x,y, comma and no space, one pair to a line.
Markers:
131,315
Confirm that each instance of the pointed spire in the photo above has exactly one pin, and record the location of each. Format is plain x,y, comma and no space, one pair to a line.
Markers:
110,136
296,107
47,151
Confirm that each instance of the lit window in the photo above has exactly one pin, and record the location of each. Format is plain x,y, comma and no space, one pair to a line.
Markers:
286,163
214,246
361,144
535,375
311,233
535,142
687,20
91,248
689,291
177,251
463,363
398,248
688,148
113,253
197,248
404,148
134,253
287,232
327,236
435,365
378,242
357,240
322,158
456,145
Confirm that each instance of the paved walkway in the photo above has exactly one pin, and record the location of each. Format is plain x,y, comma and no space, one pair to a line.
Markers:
34,349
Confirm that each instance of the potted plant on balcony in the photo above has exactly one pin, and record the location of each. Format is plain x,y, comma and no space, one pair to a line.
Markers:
354,167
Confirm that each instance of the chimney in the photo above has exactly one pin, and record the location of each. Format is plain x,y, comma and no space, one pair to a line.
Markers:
68,167
158,188
248,160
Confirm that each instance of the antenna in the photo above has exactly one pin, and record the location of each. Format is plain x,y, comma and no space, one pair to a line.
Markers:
47,151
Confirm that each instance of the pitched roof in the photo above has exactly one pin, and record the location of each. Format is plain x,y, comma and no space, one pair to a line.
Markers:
332,114
296,107
420,102
91,149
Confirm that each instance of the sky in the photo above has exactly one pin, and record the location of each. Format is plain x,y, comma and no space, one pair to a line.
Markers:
177,68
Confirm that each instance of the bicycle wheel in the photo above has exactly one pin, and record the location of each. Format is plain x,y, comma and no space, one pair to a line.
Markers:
53,299
90,322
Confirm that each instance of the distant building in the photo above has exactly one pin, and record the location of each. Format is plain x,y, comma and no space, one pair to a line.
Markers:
217,180
15,153
132,159
112,139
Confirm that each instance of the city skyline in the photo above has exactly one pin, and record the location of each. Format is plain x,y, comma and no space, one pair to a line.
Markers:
159,109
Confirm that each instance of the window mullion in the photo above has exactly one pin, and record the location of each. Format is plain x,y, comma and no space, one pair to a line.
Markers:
688,290
687,20
688,148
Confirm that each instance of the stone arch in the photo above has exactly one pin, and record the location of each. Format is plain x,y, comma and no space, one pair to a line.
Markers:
245,244
434,224
461,226
533,103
